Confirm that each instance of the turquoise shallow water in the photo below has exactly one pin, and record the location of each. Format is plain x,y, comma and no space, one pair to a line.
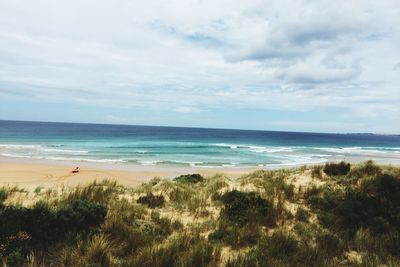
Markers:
148,145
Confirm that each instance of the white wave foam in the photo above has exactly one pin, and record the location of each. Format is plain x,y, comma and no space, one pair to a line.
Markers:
12,146
261,149
38,149
86,159
226,145
41,157
13,155
257,149
66,151
148,162
359,150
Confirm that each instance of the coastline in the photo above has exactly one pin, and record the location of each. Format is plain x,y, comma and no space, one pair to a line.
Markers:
29,174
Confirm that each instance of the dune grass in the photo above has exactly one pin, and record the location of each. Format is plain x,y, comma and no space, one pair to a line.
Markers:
337,215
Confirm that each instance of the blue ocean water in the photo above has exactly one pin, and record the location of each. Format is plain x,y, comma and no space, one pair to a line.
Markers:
152,145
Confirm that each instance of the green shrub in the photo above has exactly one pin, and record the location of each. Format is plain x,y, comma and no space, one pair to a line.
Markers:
337,169
355,209
388,189
352,212
152,201
38,189
365,170
39,227
189,178
329,244
279,249
243,207
15,259
279,245
80,215
235,235
3,195
302,215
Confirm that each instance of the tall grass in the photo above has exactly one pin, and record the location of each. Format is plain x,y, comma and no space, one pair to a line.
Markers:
100,192
260,219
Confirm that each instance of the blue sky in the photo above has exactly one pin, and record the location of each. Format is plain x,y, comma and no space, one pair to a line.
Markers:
328,66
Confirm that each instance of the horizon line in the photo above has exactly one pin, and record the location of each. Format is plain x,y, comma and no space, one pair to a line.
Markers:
194,127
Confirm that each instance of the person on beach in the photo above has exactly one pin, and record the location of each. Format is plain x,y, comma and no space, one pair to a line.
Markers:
76,170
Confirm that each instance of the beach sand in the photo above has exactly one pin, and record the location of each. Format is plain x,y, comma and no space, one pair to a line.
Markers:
30,175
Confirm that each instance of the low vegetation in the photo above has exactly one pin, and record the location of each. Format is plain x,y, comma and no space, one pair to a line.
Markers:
189,178
337,169
335,214
152,201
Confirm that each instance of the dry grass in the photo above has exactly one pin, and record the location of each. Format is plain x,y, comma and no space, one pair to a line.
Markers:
190,228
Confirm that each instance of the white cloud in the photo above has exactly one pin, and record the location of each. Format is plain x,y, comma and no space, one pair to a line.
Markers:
189,56
185,109
115,119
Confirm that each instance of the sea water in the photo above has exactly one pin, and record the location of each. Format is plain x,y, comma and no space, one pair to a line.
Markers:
178,146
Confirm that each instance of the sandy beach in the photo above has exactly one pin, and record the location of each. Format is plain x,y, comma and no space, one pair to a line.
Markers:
30,174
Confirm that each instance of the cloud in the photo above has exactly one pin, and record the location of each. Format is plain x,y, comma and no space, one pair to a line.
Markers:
115,119
185,109
190,56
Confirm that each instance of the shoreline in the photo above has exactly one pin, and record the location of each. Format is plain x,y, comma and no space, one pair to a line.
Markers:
29,174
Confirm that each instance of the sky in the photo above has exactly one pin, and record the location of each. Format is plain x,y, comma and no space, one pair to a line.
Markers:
292,65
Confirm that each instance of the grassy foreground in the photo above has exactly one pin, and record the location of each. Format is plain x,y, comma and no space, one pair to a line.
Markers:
331,215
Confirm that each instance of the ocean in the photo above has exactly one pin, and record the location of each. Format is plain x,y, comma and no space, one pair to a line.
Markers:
196,147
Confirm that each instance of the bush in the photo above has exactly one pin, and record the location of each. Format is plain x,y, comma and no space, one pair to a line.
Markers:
329,244
279,245
279,249
15,258
366,169
302,215
388,189
235,235
152,201
243,207
355,209
378,225
80,215
189,178
3,195
337,169
40,227
38,189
